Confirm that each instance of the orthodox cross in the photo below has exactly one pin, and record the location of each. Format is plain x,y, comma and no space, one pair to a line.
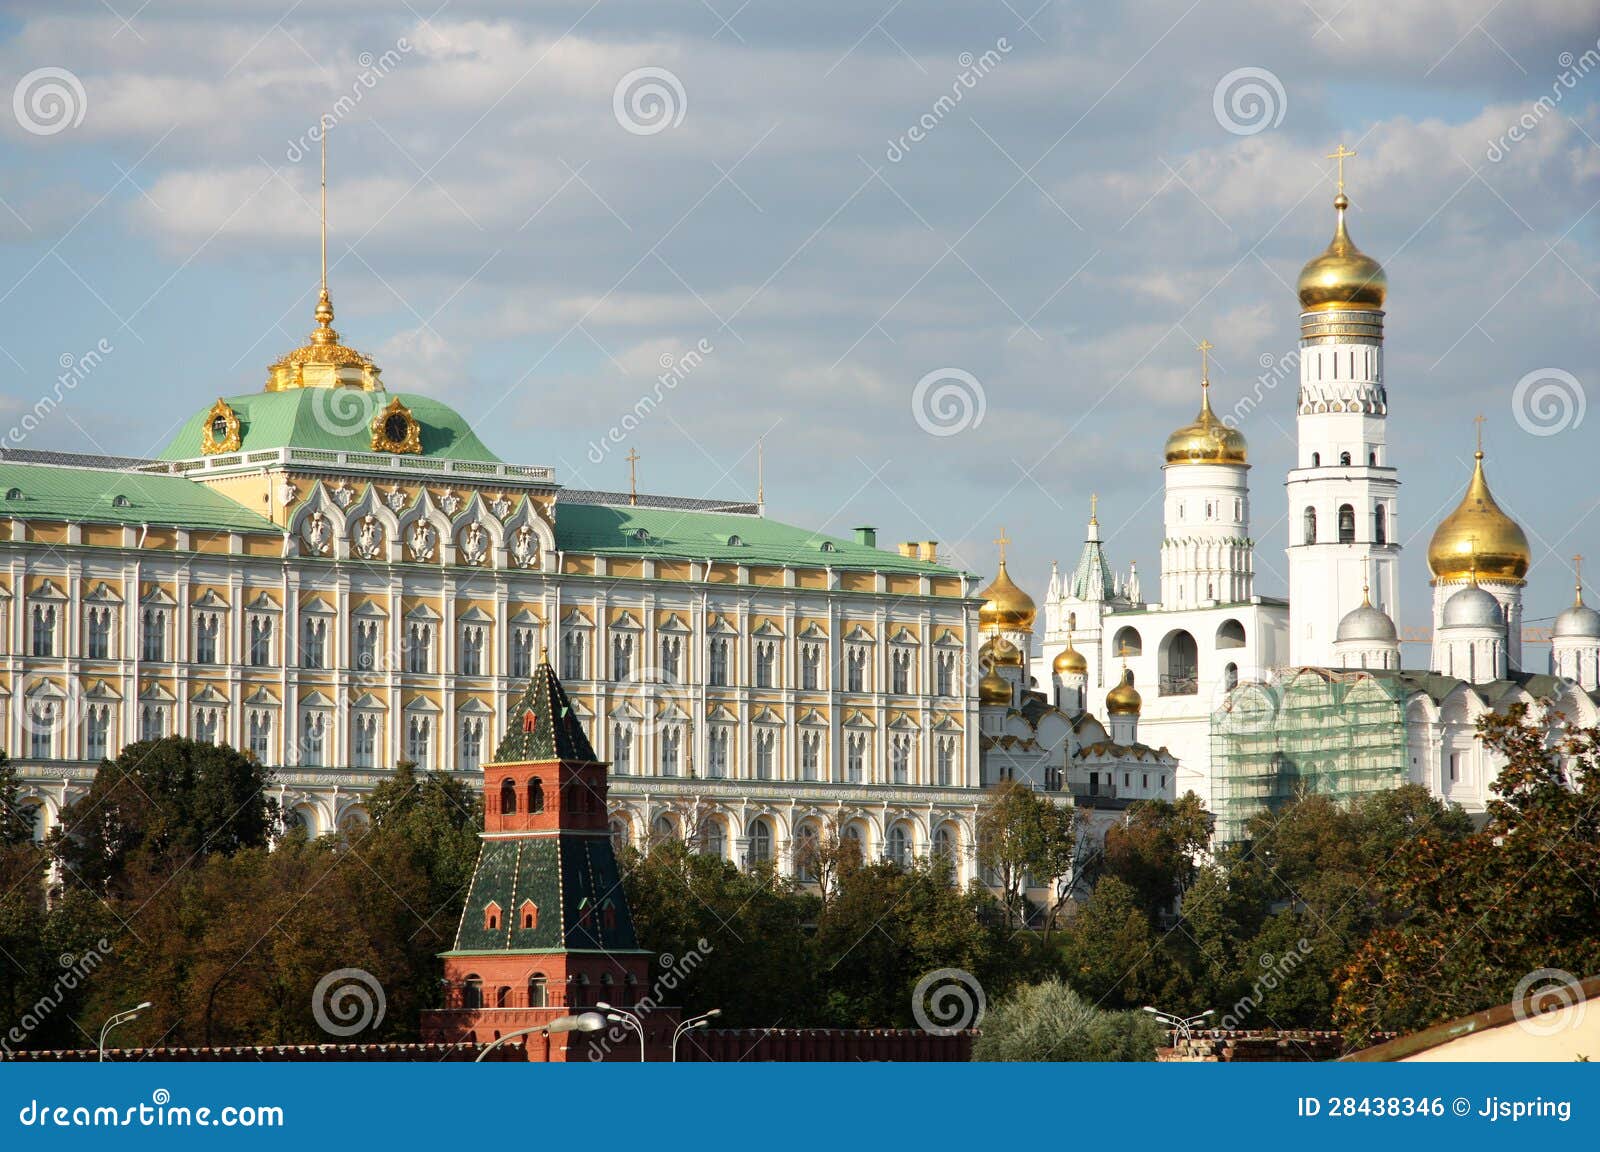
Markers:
1478,420
1341,154
1204,347
1002,541
633,475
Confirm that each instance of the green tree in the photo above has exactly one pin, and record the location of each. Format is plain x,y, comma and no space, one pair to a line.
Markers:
1157,849
1109,948
1050,1021
1467,917
1023,837
161,805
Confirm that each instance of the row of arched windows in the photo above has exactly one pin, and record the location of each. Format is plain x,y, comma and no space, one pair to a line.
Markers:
508,796
1347,525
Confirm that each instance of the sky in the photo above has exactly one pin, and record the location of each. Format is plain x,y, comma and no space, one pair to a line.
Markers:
951,261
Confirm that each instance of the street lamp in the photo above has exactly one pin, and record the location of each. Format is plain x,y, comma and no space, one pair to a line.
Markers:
687,1025
585,1022
623,1016
117,1020
1182,1026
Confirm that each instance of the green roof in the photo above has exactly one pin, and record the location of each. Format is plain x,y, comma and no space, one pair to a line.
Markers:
333,419
572,880
554,731
675,534
91,495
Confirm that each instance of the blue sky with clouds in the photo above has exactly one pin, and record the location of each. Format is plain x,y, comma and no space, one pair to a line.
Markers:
1064,233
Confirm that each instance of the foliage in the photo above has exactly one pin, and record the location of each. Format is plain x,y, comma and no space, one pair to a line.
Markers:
1049,1021
1155,851
1023,835
1467,917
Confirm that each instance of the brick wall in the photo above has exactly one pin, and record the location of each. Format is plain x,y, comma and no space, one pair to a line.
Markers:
1238,1046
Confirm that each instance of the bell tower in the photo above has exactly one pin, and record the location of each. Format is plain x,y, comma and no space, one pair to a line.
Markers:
546,931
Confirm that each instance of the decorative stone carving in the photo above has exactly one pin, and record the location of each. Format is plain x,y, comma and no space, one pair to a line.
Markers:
343,494
500,506
474,543
525,548
368,537
449,501
316,533
395,498
422,541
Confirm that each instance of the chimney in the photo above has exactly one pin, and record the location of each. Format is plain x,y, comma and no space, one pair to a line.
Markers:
867,537
929,550
908,549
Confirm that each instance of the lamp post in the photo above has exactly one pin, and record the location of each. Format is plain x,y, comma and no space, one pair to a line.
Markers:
117,1020
623,1016
1181,1026
688,1025
584,1022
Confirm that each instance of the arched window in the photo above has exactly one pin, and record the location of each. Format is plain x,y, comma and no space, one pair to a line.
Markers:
620,837
535,795
760,841
472,992
850,842
1344,459
1347,524
536,990
1316,459
1230,676
508,797
1372,459
943,845
1310,536
713,840
662,828
1127,642
1180,665
805,854
1380,525
1230,634
899,847
502,997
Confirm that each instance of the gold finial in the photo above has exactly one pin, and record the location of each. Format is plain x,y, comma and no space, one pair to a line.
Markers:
1002,540
1478,420
324,333
544,652
1341,154
1094,507
1577,579
1204,347
633,475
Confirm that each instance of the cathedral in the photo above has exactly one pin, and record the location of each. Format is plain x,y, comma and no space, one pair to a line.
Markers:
1259,699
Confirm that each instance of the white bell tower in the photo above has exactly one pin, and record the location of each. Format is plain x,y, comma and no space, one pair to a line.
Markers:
1343,491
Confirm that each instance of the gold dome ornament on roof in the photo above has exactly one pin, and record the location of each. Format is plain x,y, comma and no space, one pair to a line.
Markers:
323,362
1069,661
993,689
1124,699
1479,537
1005,607
1206,440
1343,277
998,652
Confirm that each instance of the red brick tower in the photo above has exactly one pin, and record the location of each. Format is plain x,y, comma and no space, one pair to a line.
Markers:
546,931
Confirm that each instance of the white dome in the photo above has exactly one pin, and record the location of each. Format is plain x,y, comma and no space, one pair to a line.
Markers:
1370,624
1472,607
1580,622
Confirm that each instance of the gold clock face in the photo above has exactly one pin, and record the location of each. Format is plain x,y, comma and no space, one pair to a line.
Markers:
395,427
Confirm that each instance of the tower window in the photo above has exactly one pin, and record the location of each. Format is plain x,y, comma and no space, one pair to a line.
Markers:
1347,524
1316,459
1380,526
1344,459
1372,459
535,796
1311,526
508,798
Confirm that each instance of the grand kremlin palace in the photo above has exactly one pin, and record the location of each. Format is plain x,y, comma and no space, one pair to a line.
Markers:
337,578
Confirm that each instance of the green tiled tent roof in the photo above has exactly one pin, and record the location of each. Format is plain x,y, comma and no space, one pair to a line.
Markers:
95,496
333,419
574,882
556,732
669,533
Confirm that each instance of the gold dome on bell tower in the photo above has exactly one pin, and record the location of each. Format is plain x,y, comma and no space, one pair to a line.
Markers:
1206,440
323,362
1342,278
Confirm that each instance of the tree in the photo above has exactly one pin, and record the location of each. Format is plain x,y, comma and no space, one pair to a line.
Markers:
160,805
1466,918
1156,849
824,859
1109,947
16,821
1050,1021
1023,836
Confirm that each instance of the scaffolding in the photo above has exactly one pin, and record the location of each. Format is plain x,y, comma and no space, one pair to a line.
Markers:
1305,731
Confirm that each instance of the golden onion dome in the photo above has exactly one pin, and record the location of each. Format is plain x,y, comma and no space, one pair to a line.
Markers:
993,689
1207,440
1070,662
1006,608
998,652
1343,277
1124,699
1478,538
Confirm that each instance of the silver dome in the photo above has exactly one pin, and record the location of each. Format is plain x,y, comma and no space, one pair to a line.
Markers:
1580,622
1367,623
1472,607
